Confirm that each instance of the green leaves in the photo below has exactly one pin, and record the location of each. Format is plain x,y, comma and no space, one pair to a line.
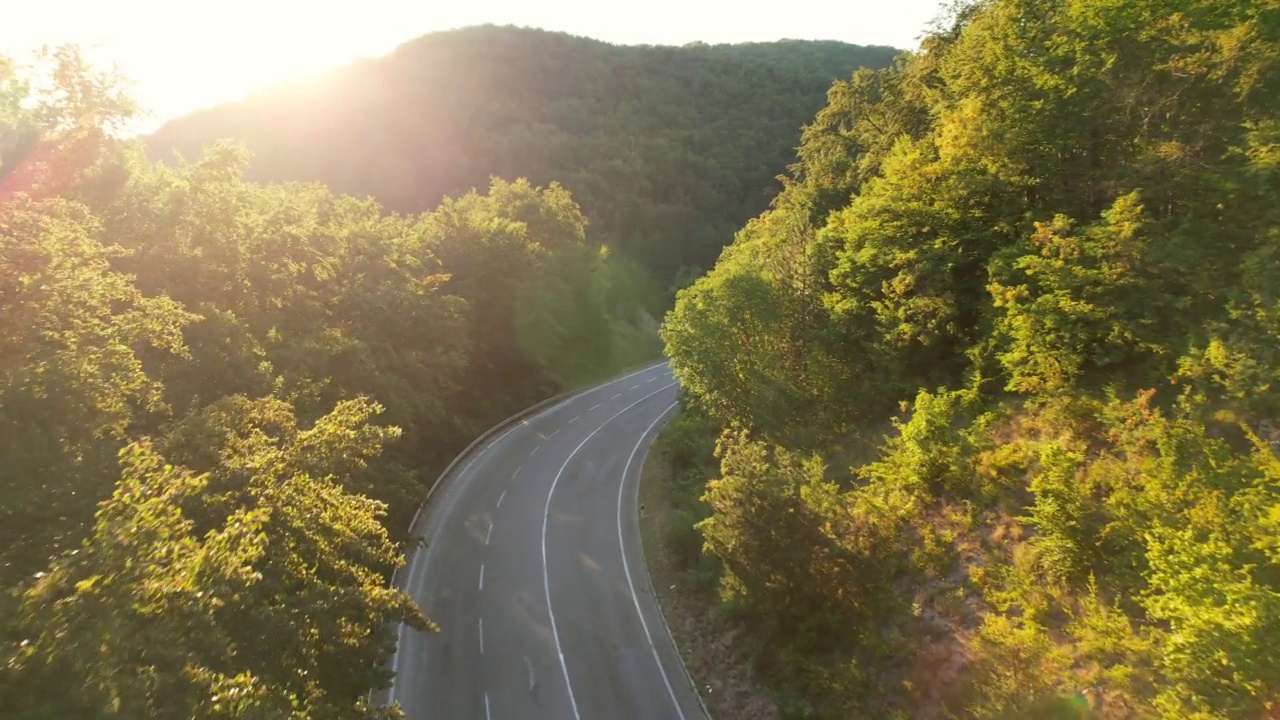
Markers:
72,380
667,150
196,517
1050,238
228,593
1087,309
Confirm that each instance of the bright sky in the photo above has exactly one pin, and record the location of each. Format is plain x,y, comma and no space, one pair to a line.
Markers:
182,55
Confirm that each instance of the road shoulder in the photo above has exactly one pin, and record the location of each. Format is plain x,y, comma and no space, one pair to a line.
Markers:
706,638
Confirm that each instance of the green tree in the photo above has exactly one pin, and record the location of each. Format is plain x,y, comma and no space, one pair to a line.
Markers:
253,589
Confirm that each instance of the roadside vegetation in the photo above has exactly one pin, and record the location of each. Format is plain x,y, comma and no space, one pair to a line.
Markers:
221,403
981,413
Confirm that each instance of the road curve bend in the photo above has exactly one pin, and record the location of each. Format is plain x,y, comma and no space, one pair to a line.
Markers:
533,569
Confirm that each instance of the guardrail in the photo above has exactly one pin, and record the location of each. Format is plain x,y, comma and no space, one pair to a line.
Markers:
484,436
467,451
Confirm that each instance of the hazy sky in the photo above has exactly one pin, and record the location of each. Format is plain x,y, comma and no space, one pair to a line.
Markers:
182,55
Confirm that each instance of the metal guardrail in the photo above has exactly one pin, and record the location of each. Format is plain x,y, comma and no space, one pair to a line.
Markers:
469,450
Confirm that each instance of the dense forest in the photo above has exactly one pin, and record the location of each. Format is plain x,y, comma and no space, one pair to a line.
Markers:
221,403
668,150
983,409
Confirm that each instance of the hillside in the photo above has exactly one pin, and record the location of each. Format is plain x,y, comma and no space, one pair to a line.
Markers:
222,402
667,149
982,413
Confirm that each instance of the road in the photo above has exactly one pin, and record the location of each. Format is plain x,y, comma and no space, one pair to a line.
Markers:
533,569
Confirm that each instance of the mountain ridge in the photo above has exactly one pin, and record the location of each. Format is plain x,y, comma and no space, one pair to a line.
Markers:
668,149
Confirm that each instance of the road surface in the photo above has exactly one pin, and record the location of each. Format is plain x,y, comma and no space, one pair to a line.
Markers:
533,570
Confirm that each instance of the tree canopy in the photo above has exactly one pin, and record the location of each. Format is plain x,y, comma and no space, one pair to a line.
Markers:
221,403
667,149
997,378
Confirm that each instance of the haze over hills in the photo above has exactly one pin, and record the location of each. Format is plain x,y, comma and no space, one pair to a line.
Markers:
669,150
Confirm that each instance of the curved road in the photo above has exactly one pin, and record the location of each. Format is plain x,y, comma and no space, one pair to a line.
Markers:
534,572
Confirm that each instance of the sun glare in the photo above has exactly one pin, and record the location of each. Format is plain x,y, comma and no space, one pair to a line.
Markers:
181,57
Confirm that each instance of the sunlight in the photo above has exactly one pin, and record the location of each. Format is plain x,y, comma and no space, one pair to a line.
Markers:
181,57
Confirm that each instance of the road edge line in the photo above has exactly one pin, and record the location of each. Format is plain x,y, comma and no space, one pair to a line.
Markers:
546,515
524,414
648,581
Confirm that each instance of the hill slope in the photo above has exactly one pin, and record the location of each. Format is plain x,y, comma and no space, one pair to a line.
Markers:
668,149
986,404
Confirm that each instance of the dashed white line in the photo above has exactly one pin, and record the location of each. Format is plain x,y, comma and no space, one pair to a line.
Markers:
481,636
633,387
593,407
504,494
615,397
557,432
487,534
419,560
651,379
574,420
534,450
481,577
546,517
486,707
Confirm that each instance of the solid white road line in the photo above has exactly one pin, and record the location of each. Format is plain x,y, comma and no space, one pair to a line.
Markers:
546,515
626,568
453,496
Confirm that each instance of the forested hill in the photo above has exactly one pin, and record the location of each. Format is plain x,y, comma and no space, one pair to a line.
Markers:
667,149
997,378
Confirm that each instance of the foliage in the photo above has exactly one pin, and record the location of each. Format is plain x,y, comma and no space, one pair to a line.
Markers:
667,149
1048,239
201,517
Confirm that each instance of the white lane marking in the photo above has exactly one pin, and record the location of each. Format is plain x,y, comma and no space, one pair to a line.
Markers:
486,707
574,420
533,679
557,432
534,450
482,578
457,489
633,387
626,568
481,636
546,516
488,533
593,407
517,472
504,494
615,397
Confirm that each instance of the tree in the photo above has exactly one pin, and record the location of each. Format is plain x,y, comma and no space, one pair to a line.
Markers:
253,589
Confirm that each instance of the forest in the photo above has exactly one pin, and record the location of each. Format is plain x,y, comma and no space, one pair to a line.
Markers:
668,150
982,411
221,403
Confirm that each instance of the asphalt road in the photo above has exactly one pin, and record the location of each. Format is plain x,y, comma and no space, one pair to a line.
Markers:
534,572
